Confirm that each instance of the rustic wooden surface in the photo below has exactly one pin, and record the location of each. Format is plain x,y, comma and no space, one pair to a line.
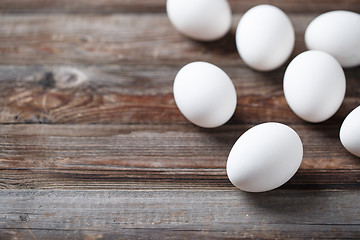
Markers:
92,145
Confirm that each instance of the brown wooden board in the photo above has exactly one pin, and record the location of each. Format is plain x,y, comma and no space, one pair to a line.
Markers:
115,6
92,145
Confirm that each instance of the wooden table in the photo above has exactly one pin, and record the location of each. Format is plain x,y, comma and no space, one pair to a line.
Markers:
92,145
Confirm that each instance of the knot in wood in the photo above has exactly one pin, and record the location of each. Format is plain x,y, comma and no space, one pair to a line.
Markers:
68,77
24,217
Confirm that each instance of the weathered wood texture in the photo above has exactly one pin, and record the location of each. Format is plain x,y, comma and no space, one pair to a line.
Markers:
115,159
125,76
153,157
182,214
115,6
114,39
136,94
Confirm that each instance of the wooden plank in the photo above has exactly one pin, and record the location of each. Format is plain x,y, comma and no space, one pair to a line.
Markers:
83,39
163,178
138,94
134,80
153,157
115,6
33,214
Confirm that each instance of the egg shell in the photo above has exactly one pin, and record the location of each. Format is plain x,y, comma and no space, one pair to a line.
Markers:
264,157
337,33
202,20
205,94
314,85
350,132
265,37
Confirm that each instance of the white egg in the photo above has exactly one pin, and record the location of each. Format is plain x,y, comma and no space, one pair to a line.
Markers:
314,85
350,132
265,37
205,94
202,20
264,157
337,33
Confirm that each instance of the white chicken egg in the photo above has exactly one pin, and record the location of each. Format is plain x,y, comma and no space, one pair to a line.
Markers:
264,157
337,33
265,37
202,20
350,132
314,85
205,94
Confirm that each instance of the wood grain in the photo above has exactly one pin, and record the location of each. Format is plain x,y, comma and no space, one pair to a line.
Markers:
92,145
138,94
115,78
205,214
153,157
115,6
114,39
